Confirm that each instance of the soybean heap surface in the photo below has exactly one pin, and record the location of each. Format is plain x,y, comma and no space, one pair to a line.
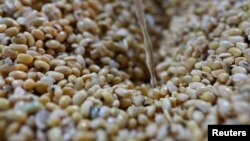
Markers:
75,69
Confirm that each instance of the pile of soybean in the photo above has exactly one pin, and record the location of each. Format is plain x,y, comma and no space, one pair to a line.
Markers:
75,69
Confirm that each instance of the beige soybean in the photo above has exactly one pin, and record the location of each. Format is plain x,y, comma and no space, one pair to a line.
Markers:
40,87
236,52
247,55
56,75
40,44
19,39
30,38
17,83
4,104
238,69
20,48
151,130
124,103
238,60
50,30
54,134
234,31
18,74
64,70
3,27
24,58
52,44
12,128
85,108
122,92
107,96
69,90
16,115
8,52
61,36
72,109
64,101
22,67
79,97
142,119
38,34
132,123
12,31
223,77
208,96
41,65
28,84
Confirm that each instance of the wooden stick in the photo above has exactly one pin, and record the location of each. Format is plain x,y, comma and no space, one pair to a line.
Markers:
147,41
